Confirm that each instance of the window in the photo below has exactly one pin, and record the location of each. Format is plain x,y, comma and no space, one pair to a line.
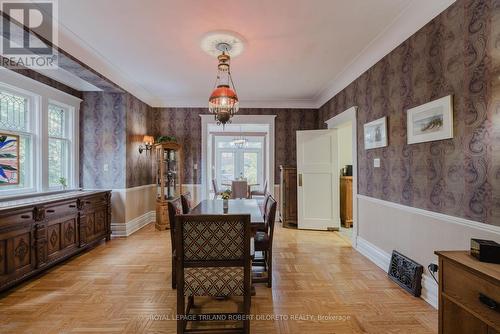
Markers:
15,116
232,162
59,145
46,121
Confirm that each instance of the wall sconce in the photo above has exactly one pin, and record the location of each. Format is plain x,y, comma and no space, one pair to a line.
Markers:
148,144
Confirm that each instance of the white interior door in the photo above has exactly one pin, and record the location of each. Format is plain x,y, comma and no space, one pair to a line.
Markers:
318,179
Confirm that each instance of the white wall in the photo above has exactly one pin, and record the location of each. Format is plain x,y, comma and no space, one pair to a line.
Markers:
385,226
344,135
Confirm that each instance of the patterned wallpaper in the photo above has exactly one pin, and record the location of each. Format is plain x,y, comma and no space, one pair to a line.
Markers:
185,124
103,139
112,126
139,122
456,53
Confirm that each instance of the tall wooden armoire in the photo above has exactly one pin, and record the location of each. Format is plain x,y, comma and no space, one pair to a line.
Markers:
288,196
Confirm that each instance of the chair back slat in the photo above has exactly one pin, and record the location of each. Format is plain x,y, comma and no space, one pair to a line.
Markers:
214,185
270,216
239,189
174,209
187,202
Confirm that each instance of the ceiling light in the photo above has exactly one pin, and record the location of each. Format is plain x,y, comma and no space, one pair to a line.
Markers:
223,101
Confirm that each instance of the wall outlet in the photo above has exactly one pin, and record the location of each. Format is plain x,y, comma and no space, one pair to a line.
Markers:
105,167
376,163
195,166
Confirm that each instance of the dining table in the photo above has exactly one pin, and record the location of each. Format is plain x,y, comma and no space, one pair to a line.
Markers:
235,206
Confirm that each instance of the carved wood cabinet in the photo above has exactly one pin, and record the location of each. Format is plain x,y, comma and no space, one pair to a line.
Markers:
288,196
37,234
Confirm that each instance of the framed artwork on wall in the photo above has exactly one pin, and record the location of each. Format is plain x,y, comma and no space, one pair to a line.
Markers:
9,159
430,121
376,133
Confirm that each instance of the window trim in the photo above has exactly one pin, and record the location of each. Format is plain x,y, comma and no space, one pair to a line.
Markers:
69,138
40,96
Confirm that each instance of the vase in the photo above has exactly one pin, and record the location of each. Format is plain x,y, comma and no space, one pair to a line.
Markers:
225,204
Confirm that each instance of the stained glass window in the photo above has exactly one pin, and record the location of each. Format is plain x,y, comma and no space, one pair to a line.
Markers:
13,112
14,120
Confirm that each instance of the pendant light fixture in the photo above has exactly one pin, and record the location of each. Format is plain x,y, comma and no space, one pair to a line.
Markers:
240,141
223,101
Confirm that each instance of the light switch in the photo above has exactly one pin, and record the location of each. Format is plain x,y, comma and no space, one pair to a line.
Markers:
195,166
376,163
105,167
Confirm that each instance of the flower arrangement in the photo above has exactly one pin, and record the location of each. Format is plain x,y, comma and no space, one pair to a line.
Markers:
226,194
166,139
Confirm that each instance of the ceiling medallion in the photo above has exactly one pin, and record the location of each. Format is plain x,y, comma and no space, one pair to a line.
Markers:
223,101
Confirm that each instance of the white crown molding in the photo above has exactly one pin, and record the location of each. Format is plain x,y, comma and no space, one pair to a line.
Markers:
410,20
416,15
203,103
83,51
435,215
382,259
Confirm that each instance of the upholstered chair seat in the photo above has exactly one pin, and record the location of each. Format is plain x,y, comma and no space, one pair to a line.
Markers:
214,281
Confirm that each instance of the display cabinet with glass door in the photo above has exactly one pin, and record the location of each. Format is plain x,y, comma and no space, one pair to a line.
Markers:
168,157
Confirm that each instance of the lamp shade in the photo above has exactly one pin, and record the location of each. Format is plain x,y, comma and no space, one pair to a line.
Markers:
148,140
223,99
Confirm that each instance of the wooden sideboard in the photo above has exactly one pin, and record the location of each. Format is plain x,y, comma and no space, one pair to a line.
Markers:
469,294
38,232
288,196
346,201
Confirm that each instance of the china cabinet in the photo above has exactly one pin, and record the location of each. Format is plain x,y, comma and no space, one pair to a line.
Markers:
168,157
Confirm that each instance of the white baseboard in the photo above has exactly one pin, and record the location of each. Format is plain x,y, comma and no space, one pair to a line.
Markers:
124,230
382,259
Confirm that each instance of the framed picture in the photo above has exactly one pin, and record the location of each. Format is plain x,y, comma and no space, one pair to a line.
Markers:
431,121
376,133
9,159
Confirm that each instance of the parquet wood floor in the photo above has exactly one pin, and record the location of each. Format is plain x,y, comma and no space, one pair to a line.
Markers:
124,287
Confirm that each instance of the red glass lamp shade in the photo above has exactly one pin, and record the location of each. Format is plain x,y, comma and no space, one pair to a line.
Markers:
223,102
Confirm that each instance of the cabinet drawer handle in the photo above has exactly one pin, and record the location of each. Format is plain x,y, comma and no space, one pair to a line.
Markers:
26,217
489,302
72,206
51,211
88,202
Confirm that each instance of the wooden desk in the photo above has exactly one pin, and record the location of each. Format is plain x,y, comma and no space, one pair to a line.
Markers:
236,206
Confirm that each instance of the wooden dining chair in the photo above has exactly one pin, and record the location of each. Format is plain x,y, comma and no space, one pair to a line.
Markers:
213,260
264,243
217,192
261,192
174,209
239,189
187,202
